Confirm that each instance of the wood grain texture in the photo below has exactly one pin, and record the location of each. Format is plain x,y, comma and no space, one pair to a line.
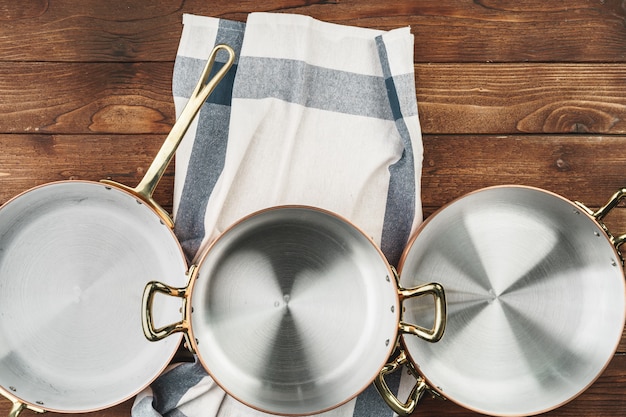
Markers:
579,167
526,92
453,99
522,98
86,98
446,30
28,161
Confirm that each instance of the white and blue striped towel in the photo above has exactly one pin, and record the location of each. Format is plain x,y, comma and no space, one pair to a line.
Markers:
311,113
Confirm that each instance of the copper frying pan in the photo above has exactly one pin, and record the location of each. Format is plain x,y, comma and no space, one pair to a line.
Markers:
536,301
74,259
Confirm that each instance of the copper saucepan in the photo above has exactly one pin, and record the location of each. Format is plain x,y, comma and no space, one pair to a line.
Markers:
74,257
536,301
293,310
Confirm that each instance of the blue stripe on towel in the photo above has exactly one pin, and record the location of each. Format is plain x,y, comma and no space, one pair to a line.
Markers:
337,91
170,387
209,146
369,402
400,210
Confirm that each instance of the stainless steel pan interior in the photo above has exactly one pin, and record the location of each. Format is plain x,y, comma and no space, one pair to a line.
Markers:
311,295
536,300
74,259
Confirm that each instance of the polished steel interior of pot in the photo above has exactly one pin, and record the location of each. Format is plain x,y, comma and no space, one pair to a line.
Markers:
74,259
295,311
535,295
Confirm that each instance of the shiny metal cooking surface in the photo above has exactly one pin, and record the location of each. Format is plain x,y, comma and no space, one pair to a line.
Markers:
74,259
294,311
535,300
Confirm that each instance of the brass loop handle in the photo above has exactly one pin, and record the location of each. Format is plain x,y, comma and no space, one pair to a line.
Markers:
403,409
601,213
435,333
151,332
145,188
17,406
16,409
610,205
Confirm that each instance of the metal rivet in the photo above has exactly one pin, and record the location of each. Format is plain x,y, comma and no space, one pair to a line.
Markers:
393,309
13,389
107,188
39,402
387,342
613,263
197,341
576,212
162,222
138,202
387,278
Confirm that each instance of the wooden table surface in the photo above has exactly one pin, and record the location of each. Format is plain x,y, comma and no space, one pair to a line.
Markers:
526,92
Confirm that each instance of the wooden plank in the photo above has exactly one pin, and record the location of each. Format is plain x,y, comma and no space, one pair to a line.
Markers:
445,30
452,98
579,167
583,168
86,98
521,98
27,161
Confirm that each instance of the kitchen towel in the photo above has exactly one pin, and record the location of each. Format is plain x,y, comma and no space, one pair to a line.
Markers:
311,113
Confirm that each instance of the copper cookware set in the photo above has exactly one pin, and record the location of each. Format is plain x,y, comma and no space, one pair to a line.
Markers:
512,291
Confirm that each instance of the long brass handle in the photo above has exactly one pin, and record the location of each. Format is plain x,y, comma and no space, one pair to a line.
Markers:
145,189
403,409
435,333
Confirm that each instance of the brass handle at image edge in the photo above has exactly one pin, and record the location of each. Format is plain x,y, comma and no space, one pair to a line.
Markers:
18,406
435,333
150,331
401,409
145,188
601,213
